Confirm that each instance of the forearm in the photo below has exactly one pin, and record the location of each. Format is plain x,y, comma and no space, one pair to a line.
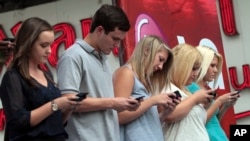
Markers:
66,115
39,114
181,110
222,112
128,116
212,109
95,104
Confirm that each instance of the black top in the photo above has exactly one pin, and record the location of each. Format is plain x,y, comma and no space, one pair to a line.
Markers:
18,99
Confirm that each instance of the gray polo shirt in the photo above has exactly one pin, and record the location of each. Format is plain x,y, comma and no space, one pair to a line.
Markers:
81,68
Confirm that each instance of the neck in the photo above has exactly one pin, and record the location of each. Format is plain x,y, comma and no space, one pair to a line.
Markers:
91,40
202,84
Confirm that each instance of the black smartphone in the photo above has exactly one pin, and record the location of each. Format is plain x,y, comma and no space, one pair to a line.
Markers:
9,39
213,93
238,91
139,98
80,96
177,93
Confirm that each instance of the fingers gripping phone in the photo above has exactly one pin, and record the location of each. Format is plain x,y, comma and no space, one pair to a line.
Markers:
139,98
9,39
80,96
213,93
177,96
177,93
238,91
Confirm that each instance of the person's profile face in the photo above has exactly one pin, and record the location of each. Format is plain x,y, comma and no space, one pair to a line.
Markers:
194,73
160,58
111,40
212,70
41,49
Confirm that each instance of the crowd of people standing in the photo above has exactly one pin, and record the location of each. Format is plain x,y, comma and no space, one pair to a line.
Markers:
39,108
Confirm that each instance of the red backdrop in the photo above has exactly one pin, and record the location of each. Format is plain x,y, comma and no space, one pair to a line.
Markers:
191,21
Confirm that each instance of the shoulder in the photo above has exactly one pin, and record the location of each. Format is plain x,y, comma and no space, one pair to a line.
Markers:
70,55
124,70
124,74
11,78
11,74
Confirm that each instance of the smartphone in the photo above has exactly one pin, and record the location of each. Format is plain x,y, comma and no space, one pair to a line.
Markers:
139,98
177,93
9,39
213,93
238,91
80,96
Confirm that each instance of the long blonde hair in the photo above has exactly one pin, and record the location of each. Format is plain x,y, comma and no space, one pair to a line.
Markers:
208,56
186,57
143,64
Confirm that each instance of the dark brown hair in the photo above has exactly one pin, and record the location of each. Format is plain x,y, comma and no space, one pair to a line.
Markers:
26,36
110,17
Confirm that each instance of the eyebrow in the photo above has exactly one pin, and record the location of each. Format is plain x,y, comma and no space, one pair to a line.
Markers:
116,38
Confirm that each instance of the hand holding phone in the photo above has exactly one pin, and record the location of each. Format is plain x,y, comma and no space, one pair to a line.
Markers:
80,96
213,93
237,92
177,94
139,98
9,39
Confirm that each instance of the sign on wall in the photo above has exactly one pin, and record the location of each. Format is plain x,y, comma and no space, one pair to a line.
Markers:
185,21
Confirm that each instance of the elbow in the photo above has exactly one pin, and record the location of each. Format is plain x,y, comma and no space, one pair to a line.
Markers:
19,125
124,118
121,120
170,119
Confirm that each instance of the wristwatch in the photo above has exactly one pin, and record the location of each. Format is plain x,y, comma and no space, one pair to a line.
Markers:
54,106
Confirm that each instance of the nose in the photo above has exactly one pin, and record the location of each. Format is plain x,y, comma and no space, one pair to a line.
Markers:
215,69
160,66
48,51
196,73
117,43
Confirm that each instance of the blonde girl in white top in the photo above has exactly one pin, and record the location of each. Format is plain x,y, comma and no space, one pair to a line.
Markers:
187,121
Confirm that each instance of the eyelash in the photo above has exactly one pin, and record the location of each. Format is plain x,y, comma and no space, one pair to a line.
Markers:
161,60
116,39
44,45
195,69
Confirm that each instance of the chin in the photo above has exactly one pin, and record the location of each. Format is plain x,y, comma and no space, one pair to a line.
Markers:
107,52
210,80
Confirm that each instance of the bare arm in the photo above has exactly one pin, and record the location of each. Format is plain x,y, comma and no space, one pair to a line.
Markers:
123,80
65,104
39,114
187,104
229,100
213,107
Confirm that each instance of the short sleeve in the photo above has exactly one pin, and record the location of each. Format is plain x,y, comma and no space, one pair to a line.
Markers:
69,74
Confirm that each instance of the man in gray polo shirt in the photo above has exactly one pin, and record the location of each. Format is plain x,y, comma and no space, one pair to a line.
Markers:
84,68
